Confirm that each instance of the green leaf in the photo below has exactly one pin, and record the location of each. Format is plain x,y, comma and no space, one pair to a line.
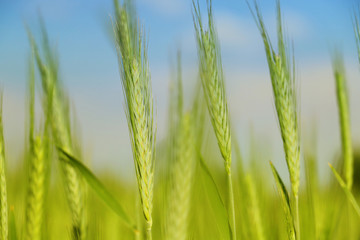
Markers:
98,187
286,202
214,197
347,191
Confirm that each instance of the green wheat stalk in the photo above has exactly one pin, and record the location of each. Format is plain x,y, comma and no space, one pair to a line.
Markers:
344,115
139,104
56,102
282,75
214,90
4,230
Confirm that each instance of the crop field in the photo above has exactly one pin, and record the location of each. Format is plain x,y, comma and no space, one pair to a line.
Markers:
195,182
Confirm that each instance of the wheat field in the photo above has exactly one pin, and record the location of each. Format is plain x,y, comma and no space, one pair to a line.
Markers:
194,183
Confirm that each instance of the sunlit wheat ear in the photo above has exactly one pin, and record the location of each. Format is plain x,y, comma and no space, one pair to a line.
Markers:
56,102
3,190
214,90
213,83
281,68
344,116
139,103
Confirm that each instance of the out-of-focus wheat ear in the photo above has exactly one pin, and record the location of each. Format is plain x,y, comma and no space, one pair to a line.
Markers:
3,190
56,107
36,191
344,117
182,180
36,170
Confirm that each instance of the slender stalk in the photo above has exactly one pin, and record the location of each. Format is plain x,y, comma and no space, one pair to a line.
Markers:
231,205
4,228
344,116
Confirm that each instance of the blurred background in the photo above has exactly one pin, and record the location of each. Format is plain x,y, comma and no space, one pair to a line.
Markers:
89,69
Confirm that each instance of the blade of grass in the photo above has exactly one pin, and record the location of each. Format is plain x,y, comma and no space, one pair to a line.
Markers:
217,202
285,203
347,191
12,225
98,188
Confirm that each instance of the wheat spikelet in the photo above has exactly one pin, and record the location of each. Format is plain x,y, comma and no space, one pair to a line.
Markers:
3,189
139,110
182,181
57,109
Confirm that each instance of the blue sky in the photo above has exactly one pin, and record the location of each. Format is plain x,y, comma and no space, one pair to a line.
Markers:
81,31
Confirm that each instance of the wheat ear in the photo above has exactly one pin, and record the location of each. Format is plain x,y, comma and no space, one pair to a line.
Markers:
37,175
182,181
36,192
139,104
214,90
284,90
56,107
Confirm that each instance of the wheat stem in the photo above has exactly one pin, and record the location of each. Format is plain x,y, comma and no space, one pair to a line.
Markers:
344,115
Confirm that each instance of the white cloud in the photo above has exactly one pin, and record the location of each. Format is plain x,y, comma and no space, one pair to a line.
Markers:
234,31
166,7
